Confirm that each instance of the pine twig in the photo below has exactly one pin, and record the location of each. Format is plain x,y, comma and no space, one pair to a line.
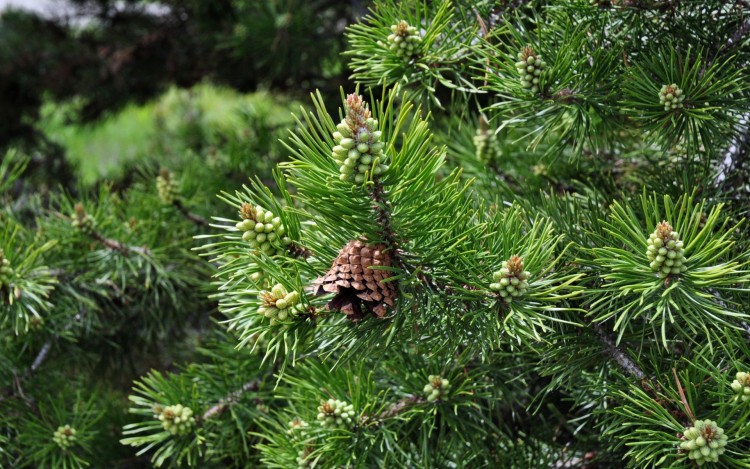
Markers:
195,218
393,410
230,399
118,246
620,356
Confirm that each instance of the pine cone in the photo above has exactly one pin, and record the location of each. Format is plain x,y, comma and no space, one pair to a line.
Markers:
82,221
176,419
741,385
511,281
356,284
262,230
64,436
404,40
335,413
530,66
671,97
665,251
358,149
167,187
5,270
486,142
704,441
436,387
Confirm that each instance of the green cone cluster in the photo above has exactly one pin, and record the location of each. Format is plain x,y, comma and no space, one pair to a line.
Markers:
486,143
665,251
176,419
297,426
302,458
671,97
279,305
335,413
64,436
511,281
5,270
741,385
36,323
262,230
530,67
436,388
358,149
704,441
405,39
167,187
82,221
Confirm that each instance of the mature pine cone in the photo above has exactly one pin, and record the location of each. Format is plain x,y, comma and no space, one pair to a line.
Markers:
356,284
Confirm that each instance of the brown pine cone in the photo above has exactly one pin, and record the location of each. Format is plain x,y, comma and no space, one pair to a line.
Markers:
356,284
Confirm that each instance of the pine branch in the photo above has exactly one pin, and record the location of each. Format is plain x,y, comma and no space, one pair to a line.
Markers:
230,399
118,246
740,33
617,354
197,219
383,216
746,327
41,356
393,410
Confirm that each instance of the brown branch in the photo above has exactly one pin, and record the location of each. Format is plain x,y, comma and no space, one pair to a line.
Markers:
393,410
381,207
118,246
197,219
620,356
230,399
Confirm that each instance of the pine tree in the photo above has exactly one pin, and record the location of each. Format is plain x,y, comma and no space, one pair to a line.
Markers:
518,240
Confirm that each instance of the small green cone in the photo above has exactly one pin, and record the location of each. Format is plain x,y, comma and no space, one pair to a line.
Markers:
404,40
665,251
671,97
334,413
530,68
704,442
64,436
176,419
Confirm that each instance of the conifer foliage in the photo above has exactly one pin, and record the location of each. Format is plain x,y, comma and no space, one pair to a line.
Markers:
518,239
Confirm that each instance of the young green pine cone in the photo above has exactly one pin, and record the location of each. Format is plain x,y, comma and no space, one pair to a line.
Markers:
296,426
64,436
436,387
358,149
82,221
405,40
279,305
262,230
665,251
6,272
511,281
176,419
671,97
302,458
704,441
167,187
741,385
335,413
530,67
486,143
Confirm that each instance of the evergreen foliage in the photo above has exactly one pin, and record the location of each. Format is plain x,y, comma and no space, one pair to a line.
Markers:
518,241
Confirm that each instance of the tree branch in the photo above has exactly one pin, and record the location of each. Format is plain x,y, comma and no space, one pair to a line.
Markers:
197,219
230,399
617,354
118,246
393,410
